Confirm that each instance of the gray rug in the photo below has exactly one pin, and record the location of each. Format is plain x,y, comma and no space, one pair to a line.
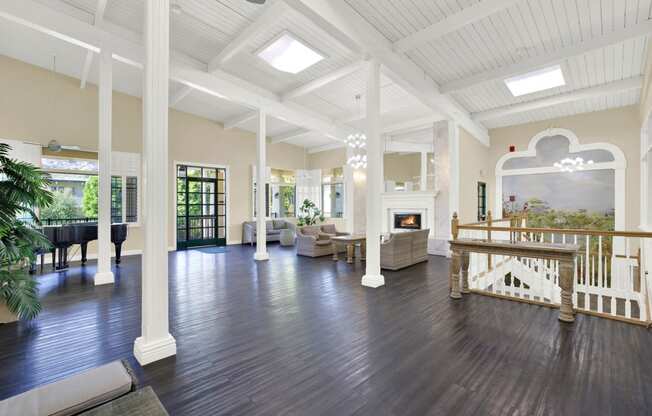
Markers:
143,402
213,250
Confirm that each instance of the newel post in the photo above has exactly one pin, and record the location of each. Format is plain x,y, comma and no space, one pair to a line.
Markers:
566,273
489,223
455,223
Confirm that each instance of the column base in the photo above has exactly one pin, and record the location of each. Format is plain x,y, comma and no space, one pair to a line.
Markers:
104,278
373,281
261,256
147,353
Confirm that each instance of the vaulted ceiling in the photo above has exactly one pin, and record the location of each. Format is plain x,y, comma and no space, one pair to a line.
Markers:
441,58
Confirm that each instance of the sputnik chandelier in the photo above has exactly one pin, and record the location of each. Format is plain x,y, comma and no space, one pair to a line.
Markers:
358,143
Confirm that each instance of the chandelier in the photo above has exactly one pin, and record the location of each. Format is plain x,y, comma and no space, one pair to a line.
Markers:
357,142
571,165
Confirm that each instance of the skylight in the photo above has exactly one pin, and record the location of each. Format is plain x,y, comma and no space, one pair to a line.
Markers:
288,54
535,81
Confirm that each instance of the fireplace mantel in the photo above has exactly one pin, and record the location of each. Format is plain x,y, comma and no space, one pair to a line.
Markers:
417,202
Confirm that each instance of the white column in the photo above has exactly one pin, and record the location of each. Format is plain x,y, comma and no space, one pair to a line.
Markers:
155,343
372,277
104,275
424,171
261,180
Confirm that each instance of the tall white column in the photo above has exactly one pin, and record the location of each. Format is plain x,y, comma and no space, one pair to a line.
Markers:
372,277
424,171
155,343
104,275
261,180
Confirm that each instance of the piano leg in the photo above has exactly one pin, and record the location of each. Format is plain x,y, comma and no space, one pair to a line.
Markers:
54,255
118,250
84,248
65,257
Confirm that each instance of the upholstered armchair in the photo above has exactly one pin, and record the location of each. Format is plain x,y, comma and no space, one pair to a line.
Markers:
331,231
404,249
312,242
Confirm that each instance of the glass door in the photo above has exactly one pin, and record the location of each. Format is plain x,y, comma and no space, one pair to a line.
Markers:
201,206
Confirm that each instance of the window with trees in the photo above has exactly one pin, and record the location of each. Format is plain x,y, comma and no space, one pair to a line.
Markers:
332,192
74,182
280,194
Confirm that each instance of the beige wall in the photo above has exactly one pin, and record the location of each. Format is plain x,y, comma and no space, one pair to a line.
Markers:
402,168
620,127
28,113
646,92
327,160
474,167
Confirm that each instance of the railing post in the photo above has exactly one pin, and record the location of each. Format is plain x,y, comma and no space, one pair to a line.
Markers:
489,223
465,257
454,277
454,226
566,284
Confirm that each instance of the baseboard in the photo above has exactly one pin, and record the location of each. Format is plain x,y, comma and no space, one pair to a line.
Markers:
147,353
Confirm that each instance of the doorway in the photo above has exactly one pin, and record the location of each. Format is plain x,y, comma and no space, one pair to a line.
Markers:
201,206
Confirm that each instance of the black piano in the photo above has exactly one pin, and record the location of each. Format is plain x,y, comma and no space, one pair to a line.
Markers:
63,237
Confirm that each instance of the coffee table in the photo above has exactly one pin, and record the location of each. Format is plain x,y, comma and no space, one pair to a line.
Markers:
349,241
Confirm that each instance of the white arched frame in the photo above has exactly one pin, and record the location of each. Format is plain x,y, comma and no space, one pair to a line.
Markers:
619,164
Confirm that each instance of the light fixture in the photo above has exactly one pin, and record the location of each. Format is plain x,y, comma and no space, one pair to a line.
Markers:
357,142
287,54
571,165
535,81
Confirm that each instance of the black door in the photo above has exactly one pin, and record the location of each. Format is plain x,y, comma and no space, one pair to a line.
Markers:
201,206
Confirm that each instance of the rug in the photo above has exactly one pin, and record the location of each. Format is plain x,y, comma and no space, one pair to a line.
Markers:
213,250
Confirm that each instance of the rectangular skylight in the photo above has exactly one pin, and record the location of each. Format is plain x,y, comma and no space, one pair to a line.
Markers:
288,54
535,81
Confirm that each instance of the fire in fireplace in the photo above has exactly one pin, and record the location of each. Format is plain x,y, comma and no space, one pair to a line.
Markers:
407,221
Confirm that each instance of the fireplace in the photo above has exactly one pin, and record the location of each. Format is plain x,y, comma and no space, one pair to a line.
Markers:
407,221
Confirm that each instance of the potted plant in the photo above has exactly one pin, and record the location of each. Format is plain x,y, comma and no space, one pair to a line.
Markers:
23,188
309,214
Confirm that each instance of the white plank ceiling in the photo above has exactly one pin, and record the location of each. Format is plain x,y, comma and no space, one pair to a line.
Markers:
520,31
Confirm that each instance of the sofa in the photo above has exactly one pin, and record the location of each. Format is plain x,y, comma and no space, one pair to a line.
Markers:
404,249
273,228
106,390
315,240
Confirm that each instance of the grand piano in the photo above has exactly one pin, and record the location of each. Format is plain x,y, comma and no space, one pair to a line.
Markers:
63,237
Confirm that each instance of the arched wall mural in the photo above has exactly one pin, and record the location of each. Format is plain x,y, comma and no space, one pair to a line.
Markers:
596,185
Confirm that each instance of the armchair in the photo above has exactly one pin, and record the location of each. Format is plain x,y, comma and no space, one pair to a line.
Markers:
312,242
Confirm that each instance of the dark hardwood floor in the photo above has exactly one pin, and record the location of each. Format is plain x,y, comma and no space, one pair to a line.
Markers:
301,336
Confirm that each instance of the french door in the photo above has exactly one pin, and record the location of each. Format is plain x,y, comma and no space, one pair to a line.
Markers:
201,206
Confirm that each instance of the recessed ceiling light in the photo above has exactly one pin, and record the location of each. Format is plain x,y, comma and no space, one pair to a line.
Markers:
535,81
286,53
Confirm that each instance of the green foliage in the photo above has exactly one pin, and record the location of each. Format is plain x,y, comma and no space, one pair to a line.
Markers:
23,188
286,198
309,214
63,205
90,199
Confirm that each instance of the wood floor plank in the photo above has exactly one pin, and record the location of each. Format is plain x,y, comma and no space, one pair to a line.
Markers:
300,336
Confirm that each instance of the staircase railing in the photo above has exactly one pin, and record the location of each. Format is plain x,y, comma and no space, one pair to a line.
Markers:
611,274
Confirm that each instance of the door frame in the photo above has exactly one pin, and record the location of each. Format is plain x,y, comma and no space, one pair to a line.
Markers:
227,187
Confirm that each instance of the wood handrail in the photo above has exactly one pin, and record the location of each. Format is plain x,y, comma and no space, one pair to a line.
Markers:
576,231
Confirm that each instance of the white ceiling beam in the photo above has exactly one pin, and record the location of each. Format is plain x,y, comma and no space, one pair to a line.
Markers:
88,61
452,23
219,84
396,146
272,13
335,16
411,125
238,120
325,147
526,65
323,81
579,95
284,137
181,93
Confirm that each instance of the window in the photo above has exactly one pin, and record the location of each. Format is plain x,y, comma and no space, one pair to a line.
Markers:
535,81
75,184
287,54
332,193
280,194
482,201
